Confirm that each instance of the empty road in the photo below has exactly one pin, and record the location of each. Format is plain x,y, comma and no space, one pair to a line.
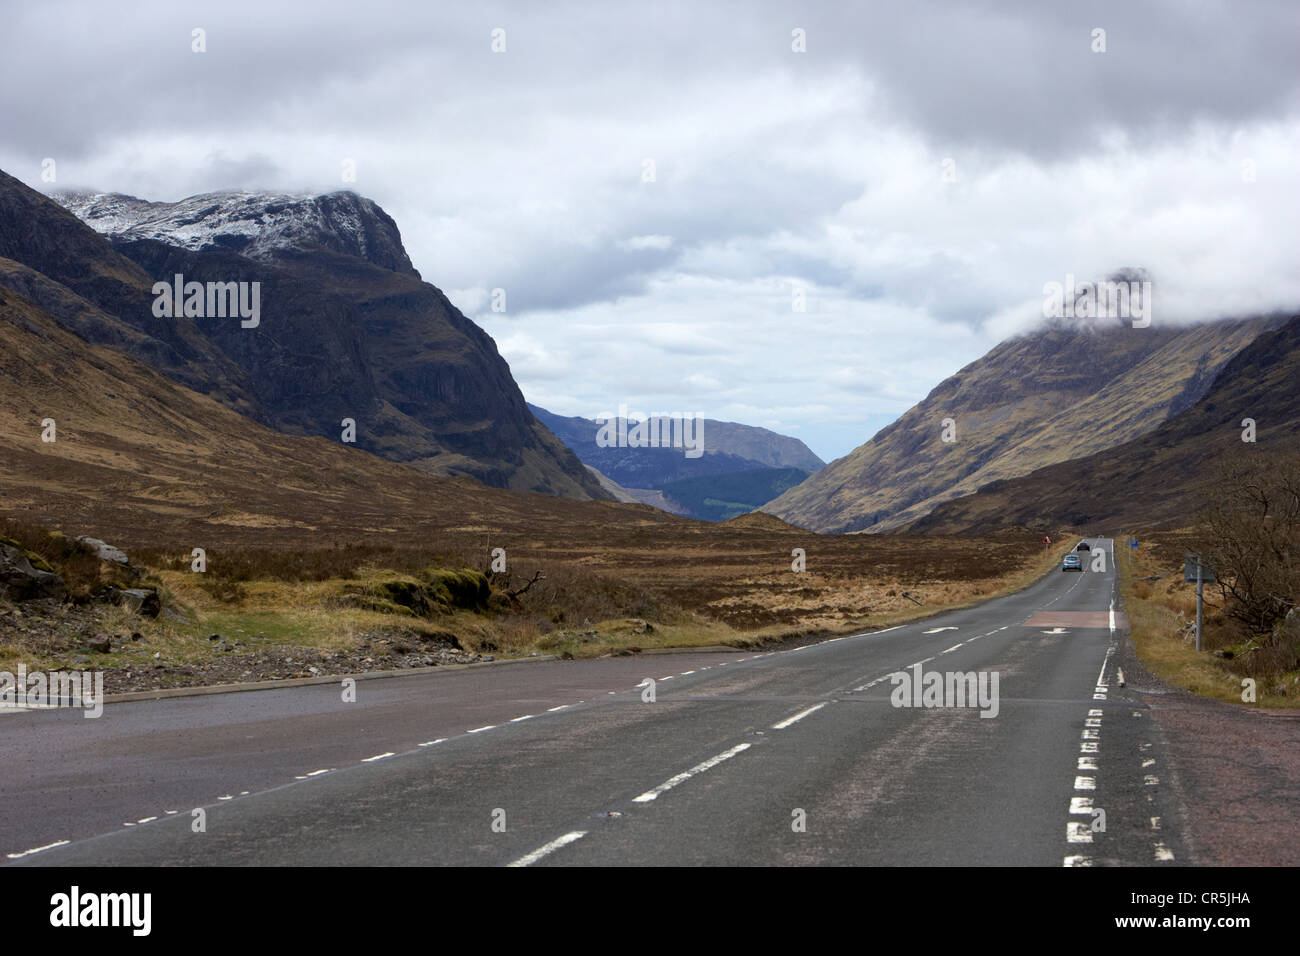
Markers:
791,757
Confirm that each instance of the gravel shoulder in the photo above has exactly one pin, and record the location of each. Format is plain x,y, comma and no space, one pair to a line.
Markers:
1236,772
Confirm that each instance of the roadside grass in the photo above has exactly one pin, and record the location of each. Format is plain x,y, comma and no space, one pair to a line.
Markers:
337,600
1160,608
689,630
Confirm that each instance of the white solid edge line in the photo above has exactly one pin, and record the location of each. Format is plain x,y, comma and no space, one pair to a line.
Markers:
683,777
541,851
799,716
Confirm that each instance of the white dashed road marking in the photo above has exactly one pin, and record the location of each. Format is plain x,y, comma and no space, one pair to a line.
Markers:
541,851
799,716
683,777
39,849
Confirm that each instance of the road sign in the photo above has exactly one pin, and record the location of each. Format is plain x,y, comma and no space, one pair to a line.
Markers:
1189,569
1132,542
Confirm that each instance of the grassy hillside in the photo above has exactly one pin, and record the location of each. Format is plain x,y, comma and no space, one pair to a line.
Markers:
1155,480
1052,396
719,497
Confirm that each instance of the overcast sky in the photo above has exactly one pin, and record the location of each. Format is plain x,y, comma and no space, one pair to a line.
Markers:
1176,150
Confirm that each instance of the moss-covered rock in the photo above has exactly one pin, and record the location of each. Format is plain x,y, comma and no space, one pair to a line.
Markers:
465,589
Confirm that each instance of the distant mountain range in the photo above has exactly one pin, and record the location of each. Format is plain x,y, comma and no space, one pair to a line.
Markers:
739,468
1056,395
347,329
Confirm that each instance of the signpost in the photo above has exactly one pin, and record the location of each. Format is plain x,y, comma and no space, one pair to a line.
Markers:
1047,543
1196,568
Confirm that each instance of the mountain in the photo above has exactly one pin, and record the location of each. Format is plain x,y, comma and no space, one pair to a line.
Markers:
143,460
617,491
256,225
722,497
1058,394
727,447
1155,480
346,327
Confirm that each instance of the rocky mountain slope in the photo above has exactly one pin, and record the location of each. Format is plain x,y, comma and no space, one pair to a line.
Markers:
1055,395
347,329
1155,480
139,458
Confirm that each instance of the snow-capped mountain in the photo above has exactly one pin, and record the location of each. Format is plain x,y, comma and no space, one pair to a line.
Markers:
257,225
350,339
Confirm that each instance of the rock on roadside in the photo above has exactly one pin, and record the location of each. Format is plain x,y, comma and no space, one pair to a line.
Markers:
19,581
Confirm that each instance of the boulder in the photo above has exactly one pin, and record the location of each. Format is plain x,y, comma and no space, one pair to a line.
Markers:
106,552
143,601
20,581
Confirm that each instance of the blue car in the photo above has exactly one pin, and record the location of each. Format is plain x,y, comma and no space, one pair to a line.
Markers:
1072,562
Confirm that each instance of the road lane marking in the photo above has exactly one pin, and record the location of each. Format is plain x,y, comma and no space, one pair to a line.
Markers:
699,768
1101,674
430,743
39,849
1163,852
1085,783
531,858
314,773
1077,833
799,716
551,710
366,760
515,720
479,730
951,649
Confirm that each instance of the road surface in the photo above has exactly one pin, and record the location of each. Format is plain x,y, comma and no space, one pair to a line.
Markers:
793,757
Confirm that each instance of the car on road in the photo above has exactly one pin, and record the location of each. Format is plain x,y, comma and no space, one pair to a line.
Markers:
1083,546
1072,562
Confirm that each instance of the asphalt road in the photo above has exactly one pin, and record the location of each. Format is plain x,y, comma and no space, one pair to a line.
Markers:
791,757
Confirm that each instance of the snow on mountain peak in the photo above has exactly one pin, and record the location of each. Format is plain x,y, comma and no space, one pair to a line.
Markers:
259,225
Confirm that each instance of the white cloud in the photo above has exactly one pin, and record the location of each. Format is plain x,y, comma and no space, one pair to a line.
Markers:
773,171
